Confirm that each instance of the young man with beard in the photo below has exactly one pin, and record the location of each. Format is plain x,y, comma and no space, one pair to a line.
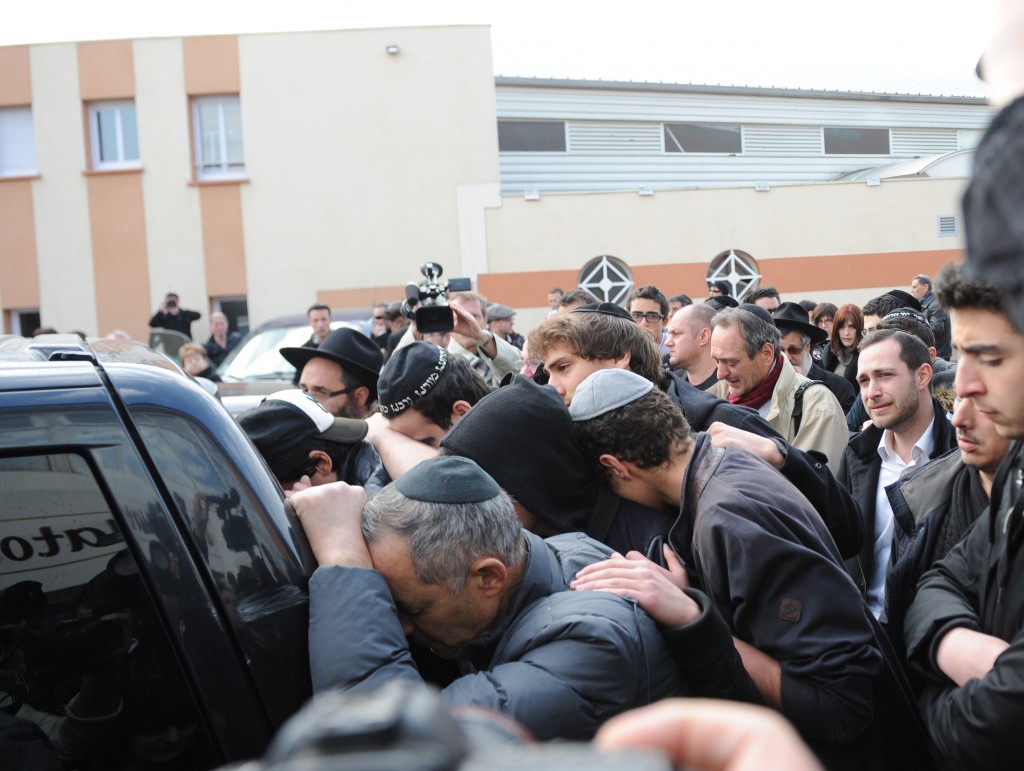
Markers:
934,506
908,428
964,630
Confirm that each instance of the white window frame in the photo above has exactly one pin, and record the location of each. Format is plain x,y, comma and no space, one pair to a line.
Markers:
17,142
221,171
117,107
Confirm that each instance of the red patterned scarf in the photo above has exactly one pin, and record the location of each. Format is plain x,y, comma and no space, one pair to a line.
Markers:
762,392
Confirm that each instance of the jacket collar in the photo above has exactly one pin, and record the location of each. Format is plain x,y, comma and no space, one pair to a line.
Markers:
550,565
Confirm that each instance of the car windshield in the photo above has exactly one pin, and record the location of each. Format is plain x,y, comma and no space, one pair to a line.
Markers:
258,357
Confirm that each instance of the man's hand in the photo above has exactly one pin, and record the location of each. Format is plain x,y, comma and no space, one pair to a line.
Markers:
376,424
467,326
964,654
303,483
711,734
656,589
397,452
331,515
723,435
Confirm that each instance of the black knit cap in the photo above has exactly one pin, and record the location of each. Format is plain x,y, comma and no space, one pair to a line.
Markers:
522,435
410,374
992,211
447,479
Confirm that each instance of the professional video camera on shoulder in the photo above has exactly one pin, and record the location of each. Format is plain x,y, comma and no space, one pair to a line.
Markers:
427,303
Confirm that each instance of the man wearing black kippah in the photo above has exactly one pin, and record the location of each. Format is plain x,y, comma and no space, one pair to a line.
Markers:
440,556
423,390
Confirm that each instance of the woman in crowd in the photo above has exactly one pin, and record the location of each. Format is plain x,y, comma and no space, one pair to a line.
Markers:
847,330
221,342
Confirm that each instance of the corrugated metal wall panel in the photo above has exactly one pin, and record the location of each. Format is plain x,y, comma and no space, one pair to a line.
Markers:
614,137
782,140
923,141
586,104
554,172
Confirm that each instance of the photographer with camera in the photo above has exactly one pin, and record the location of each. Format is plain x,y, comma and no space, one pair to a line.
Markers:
170,315
489,354
461,313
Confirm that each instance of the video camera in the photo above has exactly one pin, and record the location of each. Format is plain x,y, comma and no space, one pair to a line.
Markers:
427,303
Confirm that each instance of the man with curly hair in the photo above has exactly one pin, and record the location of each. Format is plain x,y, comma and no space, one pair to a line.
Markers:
769,589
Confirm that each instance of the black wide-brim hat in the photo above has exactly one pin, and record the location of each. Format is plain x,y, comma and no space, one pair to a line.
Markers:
355,352
789,316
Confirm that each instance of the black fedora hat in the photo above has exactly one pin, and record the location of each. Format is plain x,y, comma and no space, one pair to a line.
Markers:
354,351
789,316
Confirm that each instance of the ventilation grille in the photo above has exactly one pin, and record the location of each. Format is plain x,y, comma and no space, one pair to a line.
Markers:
947,225
615,138
782,140
923,142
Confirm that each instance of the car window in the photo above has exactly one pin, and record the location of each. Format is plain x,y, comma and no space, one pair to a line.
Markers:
261,589
84,652
258,358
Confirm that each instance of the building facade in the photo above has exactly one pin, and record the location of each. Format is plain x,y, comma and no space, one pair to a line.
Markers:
256,174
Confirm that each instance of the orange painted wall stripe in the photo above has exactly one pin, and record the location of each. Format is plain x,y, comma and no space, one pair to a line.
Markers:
360,298
16,83
118,225
788,274
220,207
117,220
211,65
19,270
800,274
106,70
524,290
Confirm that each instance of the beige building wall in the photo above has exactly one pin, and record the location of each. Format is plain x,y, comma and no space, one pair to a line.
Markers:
837,241
174,241
361,165
356,157
67,288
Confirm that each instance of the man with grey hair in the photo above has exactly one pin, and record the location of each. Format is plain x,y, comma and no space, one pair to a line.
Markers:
439,556
938,319
752,372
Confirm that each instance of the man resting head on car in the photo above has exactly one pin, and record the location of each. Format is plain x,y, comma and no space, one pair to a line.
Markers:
297,437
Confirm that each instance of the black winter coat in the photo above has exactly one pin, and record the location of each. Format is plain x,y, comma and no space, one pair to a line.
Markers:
978,585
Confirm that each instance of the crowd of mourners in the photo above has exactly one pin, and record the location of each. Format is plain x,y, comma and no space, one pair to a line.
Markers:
817,508
752,532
